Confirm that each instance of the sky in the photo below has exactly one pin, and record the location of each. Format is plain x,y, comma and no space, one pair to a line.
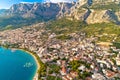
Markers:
5,4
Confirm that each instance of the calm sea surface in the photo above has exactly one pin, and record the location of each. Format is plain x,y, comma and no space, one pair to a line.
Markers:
16,65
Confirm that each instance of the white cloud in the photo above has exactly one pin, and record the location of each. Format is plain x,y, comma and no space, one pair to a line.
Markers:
55,1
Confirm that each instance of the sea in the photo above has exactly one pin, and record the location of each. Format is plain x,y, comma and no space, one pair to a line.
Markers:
16,65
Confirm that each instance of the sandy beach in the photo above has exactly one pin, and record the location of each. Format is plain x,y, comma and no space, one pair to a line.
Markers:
37,62
38,65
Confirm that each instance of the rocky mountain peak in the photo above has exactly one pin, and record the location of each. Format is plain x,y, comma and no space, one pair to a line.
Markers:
91,11
43,10
99,16
58,1
95,11
83,2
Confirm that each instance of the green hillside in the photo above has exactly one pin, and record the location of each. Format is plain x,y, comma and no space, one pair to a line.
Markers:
113,6
17,21
65,26
104,31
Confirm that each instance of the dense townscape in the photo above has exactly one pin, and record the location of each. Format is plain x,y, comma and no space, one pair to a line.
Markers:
74,58
76,40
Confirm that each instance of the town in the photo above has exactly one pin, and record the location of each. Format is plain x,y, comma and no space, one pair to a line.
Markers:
76,57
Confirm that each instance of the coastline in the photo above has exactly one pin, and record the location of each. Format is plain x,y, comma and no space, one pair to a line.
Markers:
38,65
33,55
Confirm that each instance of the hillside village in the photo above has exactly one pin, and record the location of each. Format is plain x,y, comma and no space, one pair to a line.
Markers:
74,58
75,41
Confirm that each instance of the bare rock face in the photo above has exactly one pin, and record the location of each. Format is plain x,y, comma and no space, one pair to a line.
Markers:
105,1
81,14
43,10
118,15
94,16
82,2
80,10
101,16
20,9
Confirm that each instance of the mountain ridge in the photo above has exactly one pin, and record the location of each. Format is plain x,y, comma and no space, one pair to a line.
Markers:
84,10
39,9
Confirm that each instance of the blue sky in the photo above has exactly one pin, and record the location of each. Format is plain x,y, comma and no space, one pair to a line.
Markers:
5,4
8,3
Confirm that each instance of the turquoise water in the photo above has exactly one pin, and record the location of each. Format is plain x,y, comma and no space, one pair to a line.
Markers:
16,65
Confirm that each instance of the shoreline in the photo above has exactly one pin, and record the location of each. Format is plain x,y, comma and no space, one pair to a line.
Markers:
38,65
33,55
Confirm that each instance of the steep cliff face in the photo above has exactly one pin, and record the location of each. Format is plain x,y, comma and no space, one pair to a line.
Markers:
80,14
43,10
118,15
99,16
96,11
91,11
105,1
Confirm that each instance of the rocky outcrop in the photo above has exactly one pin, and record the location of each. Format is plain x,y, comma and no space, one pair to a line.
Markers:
80,10
94,16
81,14
105,1
43,10
118,15
99,16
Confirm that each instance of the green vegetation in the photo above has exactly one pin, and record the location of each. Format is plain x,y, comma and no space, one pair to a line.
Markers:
113,6
64,37
84,75
106,32
114,61
8,27
8,45
54,68
65,26
42,68
16,21
117,78
53,78
106,38
116,44
100,28
75,64
112,51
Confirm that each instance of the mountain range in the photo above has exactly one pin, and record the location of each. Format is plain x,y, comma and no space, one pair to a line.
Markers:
90,11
